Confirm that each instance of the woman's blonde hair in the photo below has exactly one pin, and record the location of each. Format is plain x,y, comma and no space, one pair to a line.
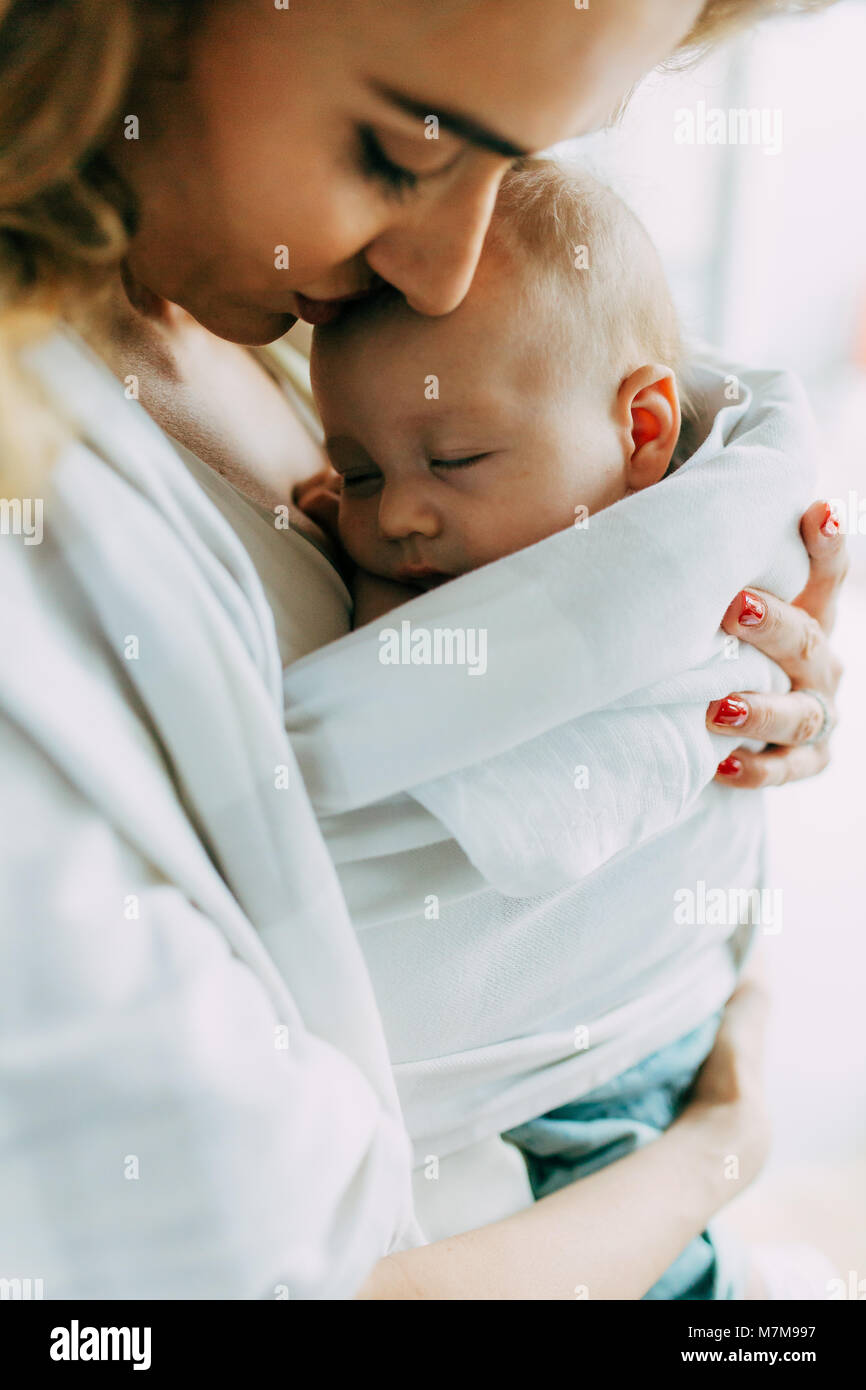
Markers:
65,216
66,67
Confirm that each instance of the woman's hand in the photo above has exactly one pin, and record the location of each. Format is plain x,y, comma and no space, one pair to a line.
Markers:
795,636
579,1241
729,1092
319,498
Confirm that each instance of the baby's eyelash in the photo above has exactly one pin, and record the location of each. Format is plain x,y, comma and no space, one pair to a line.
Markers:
354,479
456,463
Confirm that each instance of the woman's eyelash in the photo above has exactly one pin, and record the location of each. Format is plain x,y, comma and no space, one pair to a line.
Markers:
377,165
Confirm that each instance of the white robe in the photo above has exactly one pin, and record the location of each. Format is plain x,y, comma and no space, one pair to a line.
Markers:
195,1098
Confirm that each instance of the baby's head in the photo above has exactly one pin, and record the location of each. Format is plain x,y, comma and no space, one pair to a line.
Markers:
551,392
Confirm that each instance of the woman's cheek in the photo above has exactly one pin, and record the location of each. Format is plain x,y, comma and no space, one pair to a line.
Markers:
342,221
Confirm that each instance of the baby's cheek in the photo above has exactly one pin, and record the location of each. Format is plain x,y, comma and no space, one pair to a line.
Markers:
524,523
494,530
358,532
518,524
347,525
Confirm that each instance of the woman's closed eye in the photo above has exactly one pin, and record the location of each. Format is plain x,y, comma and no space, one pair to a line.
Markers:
383,164
377,165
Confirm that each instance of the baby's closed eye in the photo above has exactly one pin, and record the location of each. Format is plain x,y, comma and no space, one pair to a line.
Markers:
362,483
458,462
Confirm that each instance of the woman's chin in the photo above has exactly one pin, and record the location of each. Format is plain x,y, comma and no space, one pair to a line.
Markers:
249,327
247,324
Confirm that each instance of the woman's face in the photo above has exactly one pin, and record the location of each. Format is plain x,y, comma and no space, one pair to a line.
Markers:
308,150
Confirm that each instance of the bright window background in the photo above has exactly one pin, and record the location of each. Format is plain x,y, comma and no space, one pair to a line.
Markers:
766,255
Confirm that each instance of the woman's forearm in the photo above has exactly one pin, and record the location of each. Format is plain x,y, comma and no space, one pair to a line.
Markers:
608,1236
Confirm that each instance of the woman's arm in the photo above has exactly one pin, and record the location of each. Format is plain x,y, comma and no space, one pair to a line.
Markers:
612,1235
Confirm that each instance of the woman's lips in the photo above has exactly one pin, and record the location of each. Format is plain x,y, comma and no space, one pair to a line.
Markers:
321,311
317,311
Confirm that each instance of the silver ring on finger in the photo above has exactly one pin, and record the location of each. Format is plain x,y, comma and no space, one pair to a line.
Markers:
826,720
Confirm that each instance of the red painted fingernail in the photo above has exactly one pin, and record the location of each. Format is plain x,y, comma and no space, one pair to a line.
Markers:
730,767
830,524
732,712
753,610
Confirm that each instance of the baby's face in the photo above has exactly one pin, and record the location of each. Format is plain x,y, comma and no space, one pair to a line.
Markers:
456,438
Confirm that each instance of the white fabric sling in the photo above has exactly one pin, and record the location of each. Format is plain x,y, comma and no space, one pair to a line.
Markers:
587,609
505,906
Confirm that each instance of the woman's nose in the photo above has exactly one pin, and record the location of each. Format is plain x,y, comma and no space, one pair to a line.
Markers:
431,251
406,510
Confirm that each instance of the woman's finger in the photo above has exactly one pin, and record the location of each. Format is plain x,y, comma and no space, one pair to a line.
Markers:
789,635
829,561
793,718
326,480
319,498
322,506
742,768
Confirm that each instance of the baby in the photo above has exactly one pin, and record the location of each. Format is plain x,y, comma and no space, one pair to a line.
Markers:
554,390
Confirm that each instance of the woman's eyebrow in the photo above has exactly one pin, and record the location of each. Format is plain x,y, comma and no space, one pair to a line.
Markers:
455,121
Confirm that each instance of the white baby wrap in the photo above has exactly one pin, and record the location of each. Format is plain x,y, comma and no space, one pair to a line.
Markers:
182,994
532,863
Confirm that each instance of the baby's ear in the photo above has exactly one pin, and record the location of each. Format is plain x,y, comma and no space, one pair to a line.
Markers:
648,406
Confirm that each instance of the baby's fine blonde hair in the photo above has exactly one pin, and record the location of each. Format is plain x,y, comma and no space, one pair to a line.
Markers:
588,270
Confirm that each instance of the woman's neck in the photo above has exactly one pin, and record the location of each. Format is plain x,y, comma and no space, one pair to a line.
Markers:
130,322
210,395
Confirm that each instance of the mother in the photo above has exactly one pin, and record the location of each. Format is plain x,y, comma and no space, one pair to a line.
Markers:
198,1090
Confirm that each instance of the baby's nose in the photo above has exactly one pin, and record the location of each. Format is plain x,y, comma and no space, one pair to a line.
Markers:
406,510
